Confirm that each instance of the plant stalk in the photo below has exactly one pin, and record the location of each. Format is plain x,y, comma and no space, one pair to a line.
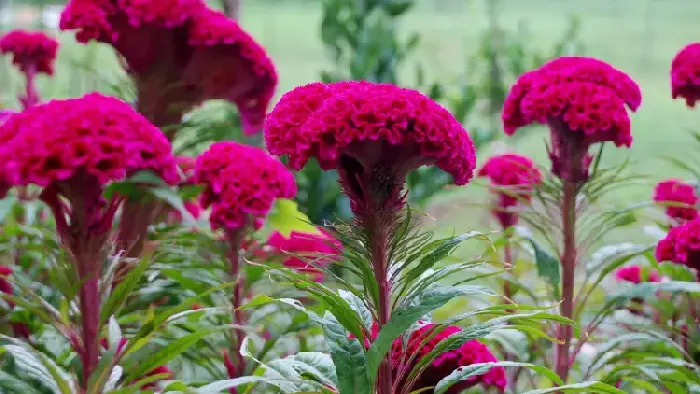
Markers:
235,240
380,245
568,265
508,260
31,97
89,298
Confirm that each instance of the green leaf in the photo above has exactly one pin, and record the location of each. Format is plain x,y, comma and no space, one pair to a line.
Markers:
285,217
649,289
317,364
6,207
348,354
224,385
358,305
173,198
11,384
402,318
442,249
40,368
120,293
469,371
585,387
548,266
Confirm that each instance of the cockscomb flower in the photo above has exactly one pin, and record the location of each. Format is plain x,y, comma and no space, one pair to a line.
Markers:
373,134
241,183
679,193
422,341
636,274
513,178
305,251
32,52
582,100
682,245
5,285
180,53
685,74
73,148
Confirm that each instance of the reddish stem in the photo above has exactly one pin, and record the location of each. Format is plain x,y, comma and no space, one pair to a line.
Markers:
89,298
379,229
31,96
508,260
235,240
568,264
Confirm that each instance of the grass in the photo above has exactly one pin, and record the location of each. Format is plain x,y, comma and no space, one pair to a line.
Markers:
637,36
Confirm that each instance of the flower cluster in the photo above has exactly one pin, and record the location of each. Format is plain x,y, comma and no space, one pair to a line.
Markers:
636,274
422,341
682,245
679,193
512,177
373,134
33,52
583,102
241,183
304,251
181,53
685,74
5,285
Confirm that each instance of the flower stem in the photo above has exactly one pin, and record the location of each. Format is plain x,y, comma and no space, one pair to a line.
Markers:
380,245
235,239
89,298
568,264
31,97
508,260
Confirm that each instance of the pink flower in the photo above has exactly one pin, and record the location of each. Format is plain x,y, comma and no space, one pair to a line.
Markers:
685,74
373,134
679,192
301,249
682,245
186,165
180,53
32,51
423,341
582,100
634,274
73,148
5,285
513,177
161,370
241,183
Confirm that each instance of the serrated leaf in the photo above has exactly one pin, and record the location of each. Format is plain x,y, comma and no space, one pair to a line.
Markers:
585,387
348,354
548,266
469,371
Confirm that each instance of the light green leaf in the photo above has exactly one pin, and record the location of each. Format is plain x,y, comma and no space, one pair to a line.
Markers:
585,387
349,355
285,217
359,307
121,292
224,385
6,206
11,384
466,372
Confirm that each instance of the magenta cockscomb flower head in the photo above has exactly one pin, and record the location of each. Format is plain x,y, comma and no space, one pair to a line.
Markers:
681,195
513,178
32,52
636,274
422,341
682,245
241,183
582,100
373,134
180,53
73,149
305,252
685,74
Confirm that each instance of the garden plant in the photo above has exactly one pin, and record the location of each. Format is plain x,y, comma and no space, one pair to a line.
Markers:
142,250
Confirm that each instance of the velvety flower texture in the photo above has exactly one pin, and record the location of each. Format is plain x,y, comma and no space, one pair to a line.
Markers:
471,352
180,53
682,245
72,148
635,274
373,134
241,184
582,100
33,52
685,74
299,249
678,192
513,177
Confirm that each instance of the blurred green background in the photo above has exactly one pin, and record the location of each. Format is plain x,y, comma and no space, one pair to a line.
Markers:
637,36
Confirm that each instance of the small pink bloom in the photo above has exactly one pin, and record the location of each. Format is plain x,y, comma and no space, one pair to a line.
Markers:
685,74
300,249
679,192
582,100
161,370
241,183
682,245
31,51
514,177
634,274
